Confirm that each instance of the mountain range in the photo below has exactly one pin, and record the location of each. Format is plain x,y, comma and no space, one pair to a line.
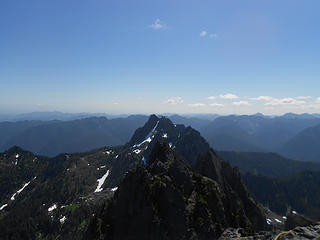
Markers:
164,183
125,192
261,134
291,135
51,138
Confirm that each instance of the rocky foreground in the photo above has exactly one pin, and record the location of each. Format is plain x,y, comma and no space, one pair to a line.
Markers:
308,232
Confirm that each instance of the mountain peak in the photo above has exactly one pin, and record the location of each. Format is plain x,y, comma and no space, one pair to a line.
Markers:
185,140
143,132
167,199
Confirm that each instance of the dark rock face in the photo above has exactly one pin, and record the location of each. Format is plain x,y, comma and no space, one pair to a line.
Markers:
169,200
236,196
295,220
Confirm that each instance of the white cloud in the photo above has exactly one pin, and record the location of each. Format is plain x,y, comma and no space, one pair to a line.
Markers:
213,35
212,98
196,105
174,100
203,34
303,97
262,98
229,96
284,101
241,103
318,100
216,105
158,25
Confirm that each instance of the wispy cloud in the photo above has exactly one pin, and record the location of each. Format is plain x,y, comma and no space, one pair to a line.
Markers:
212,98
229,96
241,103
303,97
216,105
174,100
284,101
318,100
203,33
158,25
262,98
196,105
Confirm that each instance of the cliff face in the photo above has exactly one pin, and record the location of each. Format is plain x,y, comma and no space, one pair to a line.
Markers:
168,199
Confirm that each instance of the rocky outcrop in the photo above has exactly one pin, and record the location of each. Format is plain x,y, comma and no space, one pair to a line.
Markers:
169,200
295,220
234,190
298,233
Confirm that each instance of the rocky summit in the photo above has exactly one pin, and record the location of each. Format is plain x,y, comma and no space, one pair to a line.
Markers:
168,199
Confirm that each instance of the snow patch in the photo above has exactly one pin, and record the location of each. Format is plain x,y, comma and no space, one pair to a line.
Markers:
149,139
17,155
165,135
62,219
150,136
137,151
155,127
3,206
170,144
108,152
53,207
284,217
277,220
116,156
269,221
19,191
101,182
294,212
102,166
114,189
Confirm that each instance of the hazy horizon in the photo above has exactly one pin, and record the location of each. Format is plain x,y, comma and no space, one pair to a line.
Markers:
111,114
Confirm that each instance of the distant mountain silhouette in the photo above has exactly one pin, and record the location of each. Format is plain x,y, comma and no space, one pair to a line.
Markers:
287,134
195,122
54,137
304,146
255,133
55,115
266,164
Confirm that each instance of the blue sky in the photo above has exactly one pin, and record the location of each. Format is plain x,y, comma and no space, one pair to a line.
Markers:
143,56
